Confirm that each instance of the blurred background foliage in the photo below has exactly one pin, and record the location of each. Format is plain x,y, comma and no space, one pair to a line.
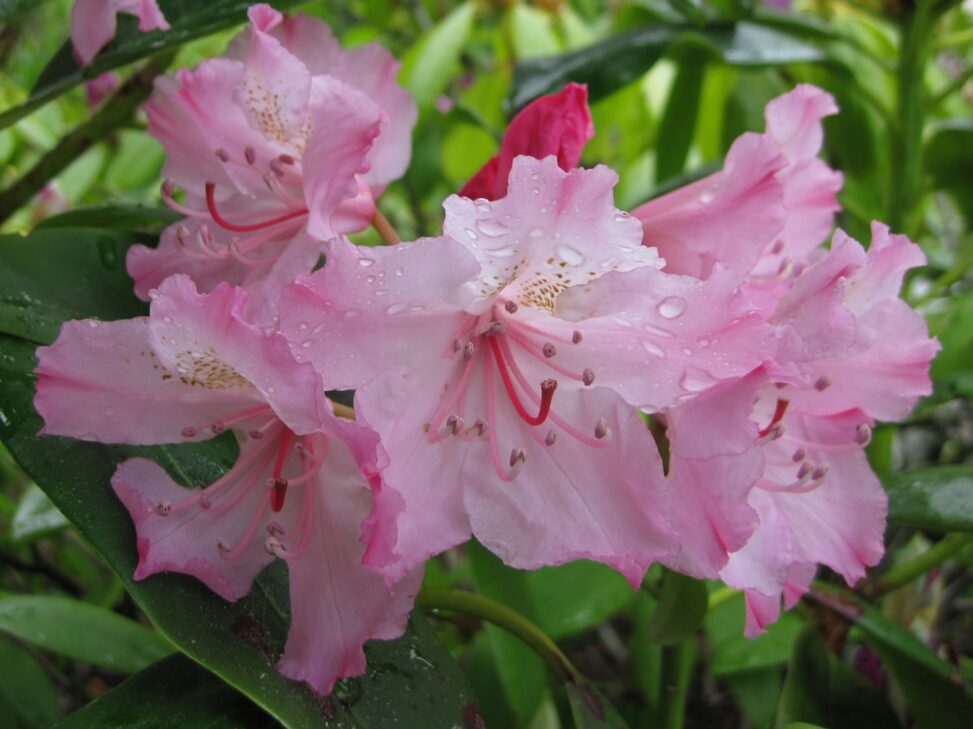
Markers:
672,83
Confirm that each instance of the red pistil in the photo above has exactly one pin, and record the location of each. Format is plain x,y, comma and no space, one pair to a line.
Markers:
777,417
224,223
547,389
279,491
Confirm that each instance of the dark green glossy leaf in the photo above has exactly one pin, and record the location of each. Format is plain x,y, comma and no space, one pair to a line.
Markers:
188,19
940,499
171,694
54,275
678,124
117,217
81,631
804,697
681,609
27,696
619,60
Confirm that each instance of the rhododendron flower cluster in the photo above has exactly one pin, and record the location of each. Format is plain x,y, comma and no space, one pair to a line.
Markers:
504,370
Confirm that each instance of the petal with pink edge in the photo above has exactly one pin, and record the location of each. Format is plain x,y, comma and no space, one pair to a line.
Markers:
728,218
420,312
204,338
794,120
99,380
337,604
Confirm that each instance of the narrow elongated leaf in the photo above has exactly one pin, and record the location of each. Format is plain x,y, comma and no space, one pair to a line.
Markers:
188,19
591,710
804,697
678,125
81,631
10,9
681,609
171,694
27,696
429,64
619,60
940,499
117,217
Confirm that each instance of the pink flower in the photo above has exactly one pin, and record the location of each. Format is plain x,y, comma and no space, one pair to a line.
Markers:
280,145
98,89
773,201
297,492
557,124
498,407
93,23
789,438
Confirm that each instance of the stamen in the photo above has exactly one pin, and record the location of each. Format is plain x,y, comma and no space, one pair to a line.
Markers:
547,390
241,547
492,431
468,349
549,350
167,189
777,247
276,529
588,376
163,508
454,424
219,425
495,329
551,438
511,307
779,410
819,472
249,154
601,428
517,455
286,159
476,430
863,434
799,455
576,337
280,484
223,223
222,155
822,383
804,471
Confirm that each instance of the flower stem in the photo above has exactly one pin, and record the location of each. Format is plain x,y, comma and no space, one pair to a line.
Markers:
903,574
906,162
384,229
115,113
461,601
677,672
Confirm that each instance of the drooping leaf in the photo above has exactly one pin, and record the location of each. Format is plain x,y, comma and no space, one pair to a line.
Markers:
117,217
681,609
171,694
939,499
678,124
81,631
27,696
733,653
591,710
617,61
188,19
804,697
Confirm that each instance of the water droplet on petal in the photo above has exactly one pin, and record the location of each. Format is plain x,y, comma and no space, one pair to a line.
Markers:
695,381
393,309
365,262
672,307
654,349
570,255
492,228
471,234
536,233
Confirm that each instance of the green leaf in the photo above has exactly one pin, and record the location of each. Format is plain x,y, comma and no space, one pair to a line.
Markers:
591,710
678,124
431,62
411,678
681,609
804,697
619,60
35,517
937,498
948,157
733,653
81,631
10,9
171,694
27,696
117,217
188,19
54,275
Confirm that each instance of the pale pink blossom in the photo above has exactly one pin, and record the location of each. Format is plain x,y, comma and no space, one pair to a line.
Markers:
279,145
771,204
299,490
93,23
500,411
789,438
100,88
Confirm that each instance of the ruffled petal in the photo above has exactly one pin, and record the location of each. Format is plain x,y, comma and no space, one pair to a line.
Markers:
204,338
93,25
411,314
103,381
